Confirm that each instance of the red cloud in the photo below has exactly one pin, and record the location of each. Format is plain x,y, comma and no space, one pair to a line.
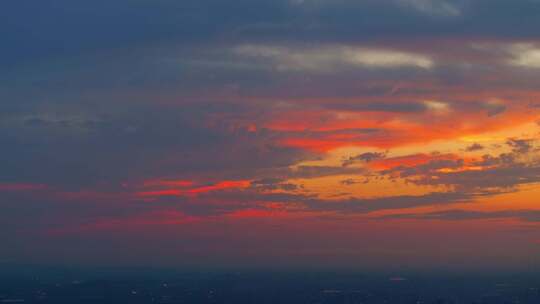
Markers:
187,188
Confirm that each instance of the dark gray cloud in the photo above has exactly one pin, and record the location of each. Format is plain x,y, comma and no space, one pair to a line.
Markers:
50,208
352,181
503,172
142,141
364,157
520,145
494,110
388,203
397,107
270,184
322,171
459,215
474,147
222,202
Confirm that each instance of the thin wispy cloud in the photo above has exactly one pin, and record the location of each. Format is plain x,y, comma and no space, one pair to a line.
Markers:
332,58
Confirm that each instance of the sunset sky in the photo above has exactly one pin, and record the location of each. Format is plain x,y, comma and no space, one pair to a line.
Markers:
363,134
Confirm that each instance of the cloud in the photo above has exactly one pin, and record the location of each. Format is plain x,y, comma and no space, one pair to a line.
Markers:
438,107
520,145
433,7
212,109
525,55
321,171
194,190
352,181
144,141
331,58
364,157
474,147
462,215
358,205
496,174
494,109
392,107
225,202
271,184
18,187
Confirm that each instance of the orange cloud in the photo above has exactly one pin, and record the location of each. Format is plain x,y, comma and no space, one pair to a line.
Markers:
327,124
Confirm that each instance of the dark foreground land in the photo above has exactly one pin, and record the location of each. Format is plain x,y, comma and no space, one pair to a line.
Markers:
265,287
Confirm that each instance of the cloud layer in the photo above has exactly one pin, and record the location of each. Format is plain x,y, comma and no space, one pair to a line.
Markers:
199,124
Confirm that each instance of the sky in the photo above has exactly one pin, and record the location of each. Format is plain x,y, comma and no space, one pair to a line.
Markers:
361,134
